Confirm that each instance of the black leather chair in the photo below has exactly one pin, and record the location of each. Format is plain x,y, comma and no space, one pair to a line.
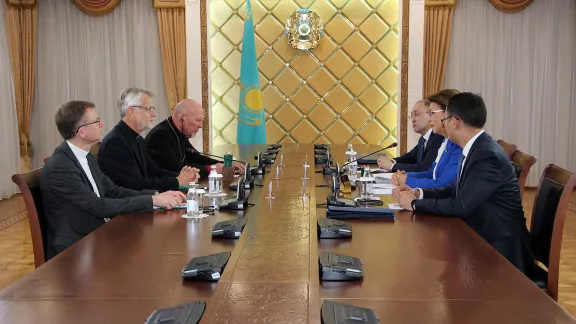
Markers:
550,205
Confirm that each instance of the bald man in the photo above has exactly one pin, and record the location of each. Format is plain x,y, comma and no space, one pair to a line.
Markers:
169,145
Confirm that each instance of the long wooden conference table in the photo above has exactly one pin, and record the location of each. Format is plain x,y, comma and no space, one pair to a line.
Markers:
417,268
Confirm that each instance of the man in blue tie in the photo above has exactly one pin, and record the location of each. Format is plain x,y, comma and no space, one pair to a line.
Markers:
421,157
486,193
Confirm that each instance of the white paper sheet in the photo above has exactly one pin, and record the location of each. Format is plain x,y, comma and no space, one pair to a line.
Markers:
377,170
395,207
386,191
384,175
384,186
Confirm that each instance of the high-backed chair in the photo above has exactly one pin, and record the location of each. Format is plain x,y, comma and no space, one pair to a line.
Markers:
30,189
522,163
508,148
550,204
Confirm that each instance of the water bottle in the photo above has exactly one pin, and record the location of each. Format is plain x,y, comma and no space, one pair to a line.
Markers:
367,186
352,166
192,207
213,182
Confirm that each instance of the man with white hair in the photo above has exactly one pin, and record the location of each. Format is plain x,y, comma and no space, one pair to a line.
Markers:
123,155
169,145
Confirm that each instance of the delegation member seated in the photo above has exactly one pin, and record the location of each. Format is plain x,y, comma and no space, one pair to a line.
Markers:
77,197
443,170
421,157
486,192
169,145
123,155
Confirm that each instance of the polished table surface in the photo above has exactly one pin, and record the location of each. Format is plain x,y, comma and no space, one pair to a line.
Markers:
417,268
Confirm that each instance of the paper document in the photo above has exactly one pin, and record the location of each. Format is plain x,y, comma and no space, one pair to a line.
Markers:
395,207
384,186
377,170
386,191
384,175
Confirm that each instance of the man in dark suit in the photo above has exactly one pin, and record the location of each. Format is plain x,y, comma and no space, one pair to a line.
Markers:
169,145
123,155
486,193
421,157
77,197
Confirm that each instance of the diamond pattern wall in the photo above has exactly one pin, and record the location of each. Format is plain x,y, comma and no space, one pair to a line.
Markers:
343,91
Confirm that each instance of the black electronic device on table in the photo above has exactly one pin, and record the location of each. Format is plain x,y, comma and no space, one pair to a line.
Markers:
340,313
331,228
274,146
339,267
229,229
206,268
322,146
320,159
260,165
247,179
240,202
189,313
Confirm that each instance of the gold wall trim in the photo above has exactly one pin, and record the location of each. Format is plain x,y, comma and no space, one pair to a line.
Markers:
441,3
404,76
169,4
205,91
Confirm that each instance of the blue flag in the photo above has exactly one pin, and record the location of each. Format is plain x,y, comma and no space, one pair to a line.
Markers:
251,122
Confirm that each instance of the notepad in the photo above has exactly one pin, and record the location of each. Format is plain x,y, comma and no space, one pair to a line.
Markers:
386,191
384,186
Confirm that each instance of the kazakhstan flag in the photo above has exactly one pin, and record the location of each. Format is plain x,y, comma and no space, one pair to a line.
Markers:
251,123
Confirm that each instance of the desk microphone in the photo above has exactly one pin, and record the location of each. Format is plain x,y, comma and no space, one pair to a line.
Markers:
367,155
211,155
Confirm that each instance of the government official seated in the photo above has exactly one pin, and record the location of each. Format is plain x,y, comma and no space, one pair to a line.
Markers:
443,170
486,193
169,145
123,155
77,197
421,157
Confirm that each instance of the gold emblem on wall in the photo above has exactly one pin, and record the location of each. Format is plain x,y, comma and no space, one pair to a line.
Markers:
304,29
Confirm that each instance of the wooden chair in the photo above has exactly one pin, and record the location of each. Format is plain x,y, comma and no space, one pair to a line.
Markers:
508,148
30,189
550,204
522,163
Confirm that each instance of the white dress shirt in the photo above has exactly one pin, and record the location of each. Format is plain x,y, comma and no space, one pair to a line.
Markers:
441,150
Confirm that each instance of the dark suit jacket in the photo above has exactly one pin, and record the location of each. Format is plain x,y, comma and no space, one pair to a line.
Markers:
71,207
488,200
124,158
172,150
409,161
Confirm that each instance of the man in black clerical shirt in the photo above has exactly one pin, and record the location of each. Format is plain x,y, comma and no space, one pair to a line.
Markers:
169,145
123,155
486,192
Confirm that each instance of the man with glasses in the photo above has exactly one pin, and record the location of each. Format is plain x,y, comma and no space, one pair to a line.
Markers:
77,197
421,157
486,192
123,155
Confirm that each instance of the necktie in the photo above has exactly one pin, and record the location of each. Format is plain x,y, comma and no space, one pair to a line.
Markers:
421,142
460,161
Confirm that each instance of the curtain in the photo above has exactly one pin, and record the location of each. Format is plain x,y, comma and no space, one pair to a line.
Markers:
172,30
524,66
82,57
10,162
438,27
21,28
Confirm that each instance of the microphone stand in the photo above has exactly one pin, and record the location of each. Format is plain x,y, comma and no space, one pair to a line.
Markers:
367,155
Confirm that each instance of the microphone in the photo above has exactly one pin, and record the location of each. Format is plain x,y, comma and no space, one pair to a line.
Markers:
367,155
211,155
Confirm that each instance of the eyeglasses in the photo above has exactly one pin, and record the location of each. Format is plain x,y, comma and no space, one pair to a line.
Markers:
150,109
444,119
97,121
432,112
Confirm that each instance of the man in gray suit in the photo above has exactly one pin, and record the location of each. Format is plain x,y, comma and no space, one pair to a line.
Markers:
77,196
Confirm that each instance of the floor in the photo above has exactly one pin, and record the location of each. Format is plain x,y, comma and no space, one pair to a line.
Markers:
16,257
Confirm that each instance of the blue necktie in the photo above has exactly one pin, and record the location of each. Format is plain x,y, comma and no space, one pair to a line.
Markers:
421,142
460,161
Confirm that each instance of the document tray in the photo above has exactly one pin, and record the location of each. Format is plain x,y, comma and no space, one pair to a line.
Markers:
330,228
206,268
338,267
229,229
336,313
189,313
